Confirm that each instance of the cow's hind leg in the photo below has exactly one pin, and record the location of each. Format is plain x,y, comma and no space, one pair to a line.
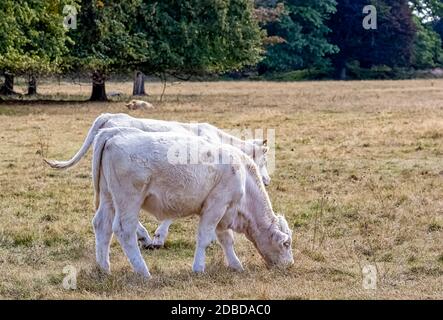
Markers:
144,238
102,223
127,208
161,233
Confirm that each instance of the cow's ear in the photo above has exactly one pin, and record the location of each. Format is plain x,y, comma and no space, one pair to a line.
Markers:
281,238
265,142
258,142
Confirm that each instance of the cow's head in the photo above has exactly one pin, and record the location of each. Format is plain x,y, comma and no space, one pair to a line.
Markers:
276,247
130,105
259,152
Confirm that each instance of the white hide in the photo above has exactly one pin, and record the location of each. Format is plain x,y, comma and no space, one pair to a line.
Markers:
253,148
131,170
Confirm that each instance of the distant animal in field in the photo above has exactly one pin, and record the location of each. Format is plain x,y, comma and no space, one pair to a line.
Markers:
139,104
133,169
254,148
114,94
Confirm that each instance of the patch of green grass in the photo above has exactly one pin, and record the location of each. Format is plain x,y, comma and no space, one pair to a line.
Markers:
387,257
434,226
426,271
314,255
24,239
48,217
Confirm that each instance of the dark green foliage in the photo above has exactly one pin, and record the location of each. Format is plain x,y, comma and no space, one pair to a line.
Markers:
172,36
103,40
299,39
391,44
32,37
427,9
200,36
303,30
428,47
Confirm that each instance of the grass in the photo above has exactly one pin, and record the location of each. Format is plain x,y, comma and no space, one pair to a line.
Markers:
358,175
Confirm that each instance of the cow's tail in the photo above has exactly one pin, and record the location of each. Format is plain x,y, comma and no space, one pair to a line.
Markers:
99,146
96,126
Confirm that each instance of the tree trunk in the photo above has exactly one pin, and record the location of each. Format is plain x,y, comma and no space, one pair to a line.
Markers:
340,72
139,84
32,86
343,74
98,87
7,88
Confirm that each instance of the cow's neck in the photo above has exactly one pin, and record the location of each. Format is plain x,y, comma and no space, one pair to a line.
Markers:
256,217
244,145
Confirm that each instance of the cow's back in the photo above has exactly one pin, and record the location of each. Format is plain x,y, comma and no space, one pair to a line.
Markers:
141,161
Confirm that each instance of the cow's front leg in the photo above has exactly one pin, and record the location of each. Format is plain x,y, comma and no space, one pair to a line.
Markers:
226,240
124,228
143,237
208,222
161,233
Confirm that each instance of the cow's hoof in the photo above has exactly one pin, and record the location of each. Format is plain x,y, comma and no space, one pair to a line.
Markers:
151,246
198,268
147,246
158,241
145,243
144,275
237,268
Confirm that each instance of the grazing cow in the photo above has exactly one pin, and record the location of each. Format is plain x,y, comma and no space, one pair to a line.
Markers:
139,104
256,149
133,169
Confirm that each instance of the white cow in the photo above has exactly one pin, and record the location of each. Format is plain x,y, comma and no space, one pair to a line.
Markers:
133,169
256,149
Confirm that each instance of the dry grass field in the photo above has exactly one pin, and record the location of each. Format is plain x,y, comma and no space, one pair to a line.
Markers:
359,176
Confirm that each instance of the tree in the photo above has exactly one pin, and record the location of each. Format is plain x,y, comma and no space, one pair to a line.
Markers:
177,37
302,28
391,44
427,10
428,51
194,37
437,26
103,42
33,40
139,84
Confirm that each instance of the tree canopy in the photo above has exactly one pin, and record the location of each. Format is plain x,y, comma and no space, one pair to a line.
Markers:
200,37
303,30
170,36
390,44
32,38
